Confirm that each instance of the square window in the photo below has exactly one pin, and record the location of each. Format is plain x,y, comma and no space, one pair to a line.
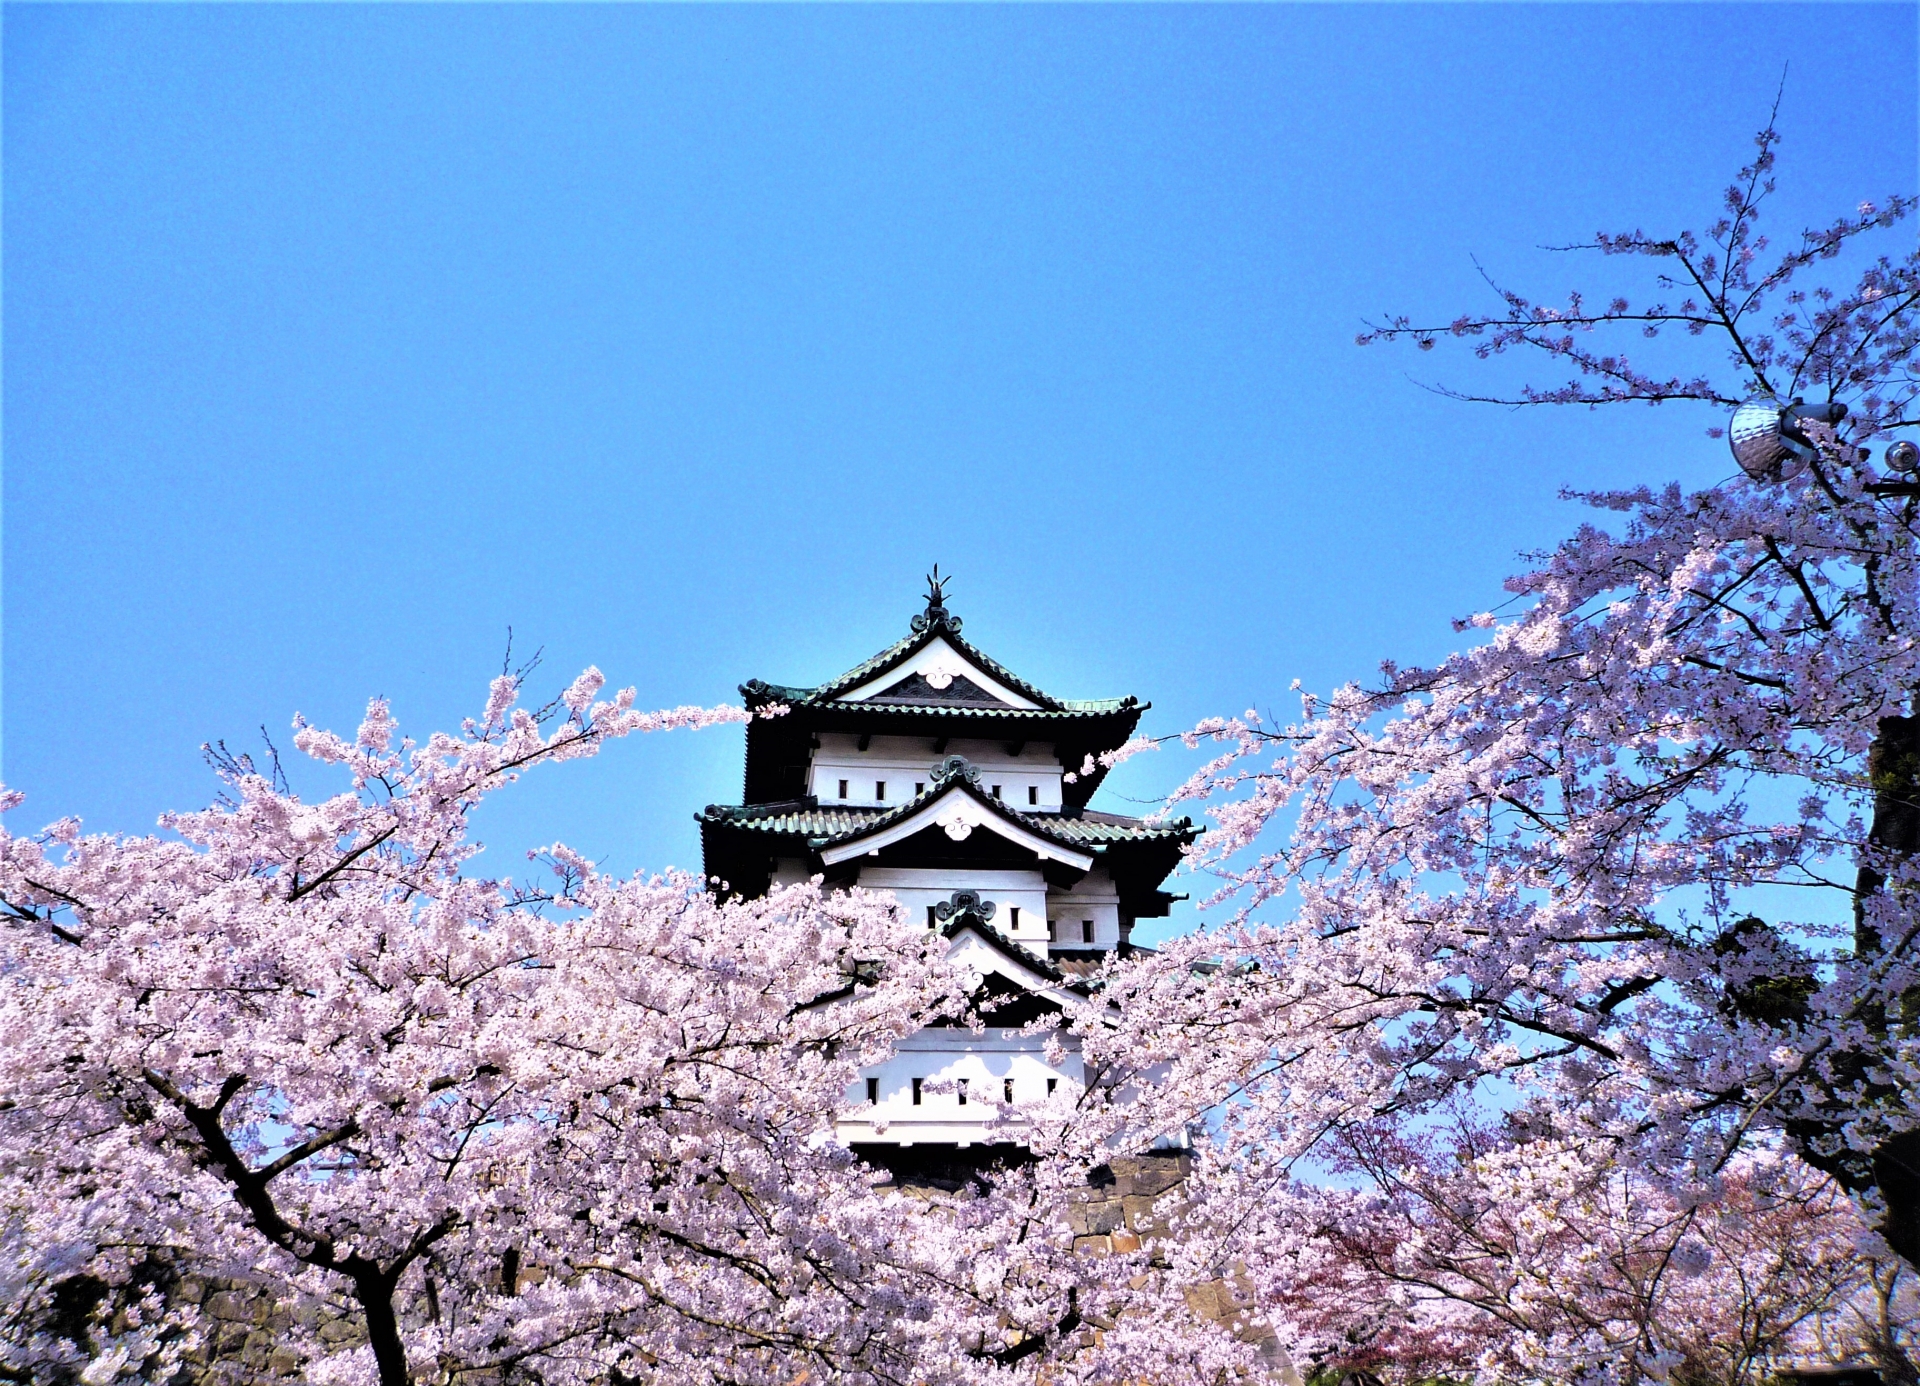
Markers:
996,791
873,1089
843,789
1052,1083
916,1092
880,790
919,788
1033,793
1086,931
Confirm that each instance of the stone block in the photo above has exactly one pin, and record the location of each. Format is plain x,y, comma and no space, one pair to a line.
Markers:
1205,1299
1092,1246
230,1306
1103,1218
1124,1241
1150,1174
1142,1215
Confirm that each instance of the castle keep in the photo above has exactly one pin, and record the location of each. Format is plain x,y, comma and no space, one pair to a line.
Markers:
936,773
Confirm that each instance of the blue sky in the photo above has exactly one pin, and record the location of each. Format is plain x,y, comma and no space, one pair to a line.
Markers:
683,340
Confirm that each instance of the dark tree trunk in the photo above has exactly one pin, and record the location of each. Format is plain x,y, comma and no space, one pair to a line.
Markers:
1893,1167
1896,1169
1893,768
375,1293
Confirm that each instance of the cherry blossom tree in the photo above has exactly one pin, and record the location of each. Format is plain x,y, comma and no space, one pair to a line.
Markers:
448,1125
1529,878
306,1048
1478,1257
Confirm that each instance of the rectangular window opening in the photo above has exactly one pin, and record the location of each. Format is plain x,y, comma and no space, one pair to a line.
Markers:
1007,1088
1013,918
1033,793
933,919
843,789
919,788
916,1092
1086,931
880,790
1052,1083
960,1088
1053,931
873,1090
996,791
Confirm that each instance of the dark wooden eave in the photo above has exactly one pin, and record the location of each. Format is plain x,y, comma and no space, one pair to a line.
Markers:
778,748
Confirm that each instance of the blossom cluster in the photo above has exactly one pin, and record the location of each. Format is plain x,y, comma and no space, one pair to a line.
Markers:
1635,873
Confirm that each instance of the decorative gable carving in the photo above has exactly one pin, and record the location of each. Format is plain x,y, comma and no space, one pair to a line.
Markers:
938,674
958,812
938,688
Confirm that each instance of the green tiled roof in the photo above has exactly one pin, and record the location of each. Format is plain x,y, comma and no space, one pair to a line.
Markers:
1025,956
947,627
827,825
763,693
866,669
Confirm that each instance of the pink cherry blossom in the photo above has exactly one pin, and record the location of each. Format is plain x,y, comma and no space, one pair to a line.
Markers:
563,1128
1525,880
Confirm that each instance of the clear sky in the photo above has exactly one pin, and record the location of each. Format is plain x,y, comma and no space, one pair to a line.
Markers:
683,340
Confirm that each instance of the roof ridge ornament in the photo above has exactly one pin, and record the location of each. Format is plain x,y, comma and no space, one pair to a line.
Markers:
955,767
964,902
936,615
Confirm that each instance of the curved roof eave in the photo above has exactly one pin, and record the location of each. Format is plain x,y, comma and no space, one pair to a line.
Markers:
1090,834
941,626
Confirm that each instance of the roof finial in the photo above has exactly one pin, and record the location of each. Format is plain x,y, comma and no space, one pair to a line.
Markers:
936,613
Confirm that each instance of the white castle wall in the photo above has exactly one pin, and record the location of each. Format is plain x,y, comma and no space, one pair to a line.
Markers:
918,889
1093,898
1030,780
939,1058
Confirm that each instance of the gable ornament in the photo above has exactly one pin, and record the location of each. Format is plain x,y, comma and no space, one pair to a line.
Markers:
964,902
955,768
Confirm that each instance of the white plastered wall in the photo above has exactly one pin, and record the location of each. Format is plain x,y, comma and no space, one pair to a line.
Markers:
789,871
901,762
917,888
1093,898
939,1058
